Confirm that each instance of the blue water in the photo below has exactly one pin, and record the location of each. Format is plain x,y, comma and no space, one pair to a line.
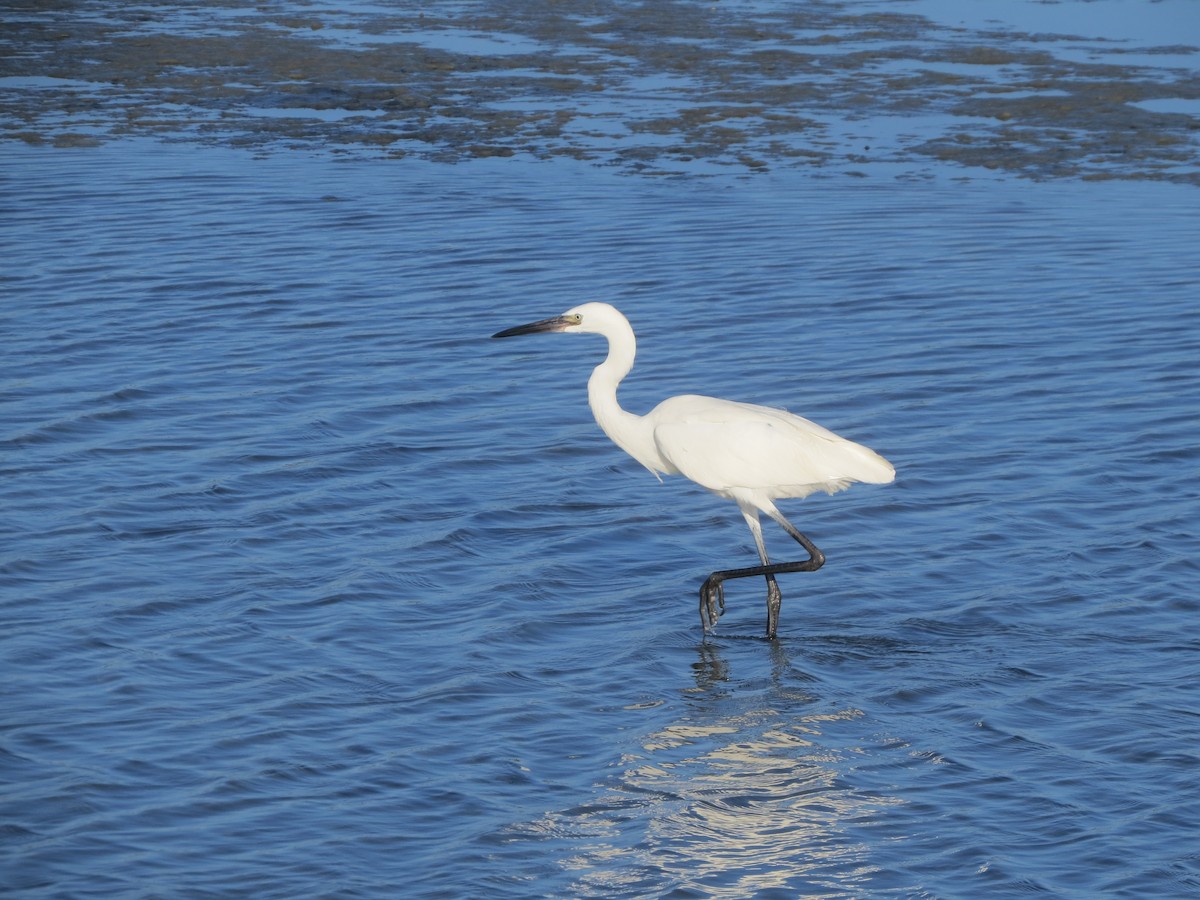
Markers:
310,589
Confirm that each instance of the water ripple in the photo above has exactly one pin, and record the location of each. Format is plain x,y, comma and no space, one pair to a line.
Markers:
304,581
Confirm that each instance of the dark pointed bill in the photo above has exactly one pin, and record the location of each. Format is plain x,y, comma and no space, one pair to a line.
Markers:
558,323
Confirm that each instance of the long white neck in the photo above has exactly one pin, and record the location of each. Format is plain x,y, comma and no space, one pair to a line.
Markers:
628,431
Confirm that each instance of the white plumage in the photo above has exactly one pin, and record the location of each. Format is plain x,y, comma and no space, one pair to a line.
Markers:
751,454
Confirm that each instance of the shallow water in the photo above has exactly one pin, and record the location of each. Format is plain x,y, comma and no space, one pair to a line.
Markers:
311,589
1089,88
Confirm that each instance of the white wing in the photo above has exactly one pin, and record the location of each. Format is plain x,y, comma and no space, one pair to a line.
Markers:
735,448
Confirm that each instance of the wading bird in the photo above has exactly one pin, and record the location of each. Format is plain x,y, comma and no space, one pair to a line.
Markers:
753,455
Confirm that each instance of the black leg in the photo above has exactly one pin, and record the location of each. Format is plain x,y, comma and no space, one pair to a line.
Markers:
712,592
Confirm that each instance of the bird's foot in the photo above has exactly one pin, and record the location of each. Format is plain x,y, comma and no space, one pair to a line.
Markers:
712,600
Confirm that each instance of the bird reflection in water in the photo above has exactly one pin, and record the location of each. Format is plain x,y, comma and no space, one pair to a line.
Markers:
744,793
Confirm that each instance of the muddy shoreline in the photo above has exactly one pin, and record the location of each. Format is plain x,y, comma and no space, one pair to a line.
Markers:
660,88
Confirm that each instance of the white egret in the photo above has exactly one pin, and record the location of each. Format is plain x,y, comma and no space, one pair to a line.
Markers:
753,455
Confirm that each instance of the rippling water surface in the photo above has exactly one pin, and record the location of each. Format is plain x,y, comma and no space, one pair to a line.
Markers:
308,588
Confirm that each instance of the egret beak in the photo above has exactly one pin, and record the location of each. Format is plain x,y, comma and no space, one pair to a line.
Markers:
558,323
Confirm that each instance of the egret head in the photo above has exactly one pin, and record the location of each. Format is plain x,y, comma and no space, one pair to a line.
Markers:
588,318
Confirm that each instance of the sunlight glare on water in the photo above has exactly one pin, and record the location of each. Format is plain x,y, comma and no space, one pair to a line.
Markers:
309,588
